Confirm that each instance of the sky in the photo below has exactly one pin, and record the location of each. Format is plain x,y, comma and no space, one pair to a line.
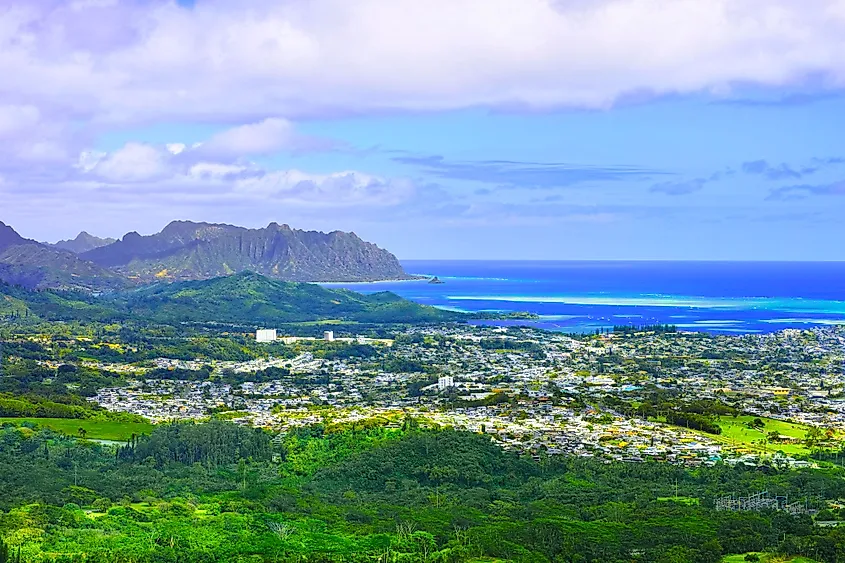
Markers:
438,129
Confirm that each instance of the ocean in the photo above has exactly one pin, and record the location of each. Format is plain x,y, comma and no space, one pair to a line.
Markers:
582,296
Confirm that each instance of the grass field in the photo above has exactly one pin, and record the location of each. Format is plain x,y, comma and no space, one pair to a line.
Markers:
735,432
95,429
767,558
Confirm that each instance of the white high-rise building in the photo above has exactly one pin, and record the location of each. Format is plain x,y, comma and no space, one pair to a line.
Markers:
445,381
265,335
328,336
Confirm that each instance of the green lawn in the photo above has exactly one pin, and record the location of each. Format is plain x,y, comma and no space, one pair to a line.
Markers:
95,429
735,432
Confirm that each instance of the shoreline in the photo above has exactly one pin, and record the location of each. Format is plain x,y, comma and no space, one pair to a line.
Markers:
413,278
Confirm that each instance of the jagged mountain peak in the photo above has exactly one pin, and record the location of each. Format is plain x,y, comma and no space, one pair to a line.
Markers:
9,236
83,242
188,250
181,227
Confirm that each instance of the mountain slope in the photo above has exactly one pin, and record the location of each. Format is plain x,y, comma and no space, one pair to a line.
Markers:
83,243
244,298
186,250
255,299
23,305
34,265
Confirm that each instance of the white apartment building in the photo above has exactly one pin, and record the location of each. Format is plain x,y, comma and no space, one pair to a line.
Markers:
265,335
445,381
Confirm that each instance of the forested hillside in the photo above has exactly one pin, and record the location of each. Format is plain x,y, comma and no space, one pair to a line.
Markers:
249,297
240,298
217,492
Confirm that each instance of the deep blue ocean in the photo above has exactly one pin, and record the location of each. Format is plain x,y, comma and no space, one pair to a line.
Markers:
724,297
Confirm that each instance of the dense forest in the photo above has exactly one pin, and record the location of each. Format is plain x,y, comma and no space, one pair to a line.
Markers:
219,492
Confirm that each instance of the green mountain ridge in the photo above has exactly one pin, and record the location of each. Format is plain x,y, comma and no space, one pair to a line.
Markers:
248,297
245,298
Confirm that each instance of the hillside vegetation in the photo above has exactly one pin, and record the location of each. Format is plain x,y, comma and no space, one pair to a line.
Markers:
222,493
246,298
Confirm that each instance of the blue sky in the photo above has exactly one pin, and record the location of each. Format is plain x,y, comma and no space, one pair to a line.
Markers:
723,142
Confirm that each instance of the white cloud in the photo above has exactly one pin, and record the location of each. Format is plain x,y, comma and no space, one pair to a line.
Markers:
26,138
17,118
330,190
215,171
43,151
89,159
270,135
138,168
154,60
133,162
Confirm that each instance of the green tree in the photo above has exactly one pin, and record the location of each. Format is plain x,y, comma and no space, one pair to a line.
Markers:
7,555
101,505
813,436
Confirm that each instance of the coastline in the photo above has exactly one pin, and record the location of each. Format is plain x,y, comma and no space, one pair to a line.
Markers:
733,298
411,278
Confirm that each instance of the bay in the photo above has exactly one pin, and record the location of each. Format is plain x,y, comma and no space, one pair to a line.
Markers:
581,296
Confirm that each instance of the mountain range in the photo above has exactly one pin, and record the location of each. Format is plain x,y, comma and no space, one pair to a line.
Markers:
33,264
186,250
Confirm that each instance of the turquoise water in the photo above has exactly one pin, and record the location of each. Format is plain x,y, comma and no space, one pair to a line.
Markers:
726,297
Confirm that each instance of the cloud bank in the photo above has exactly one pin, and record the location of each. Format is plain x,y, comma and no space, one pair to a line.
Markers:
154,59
